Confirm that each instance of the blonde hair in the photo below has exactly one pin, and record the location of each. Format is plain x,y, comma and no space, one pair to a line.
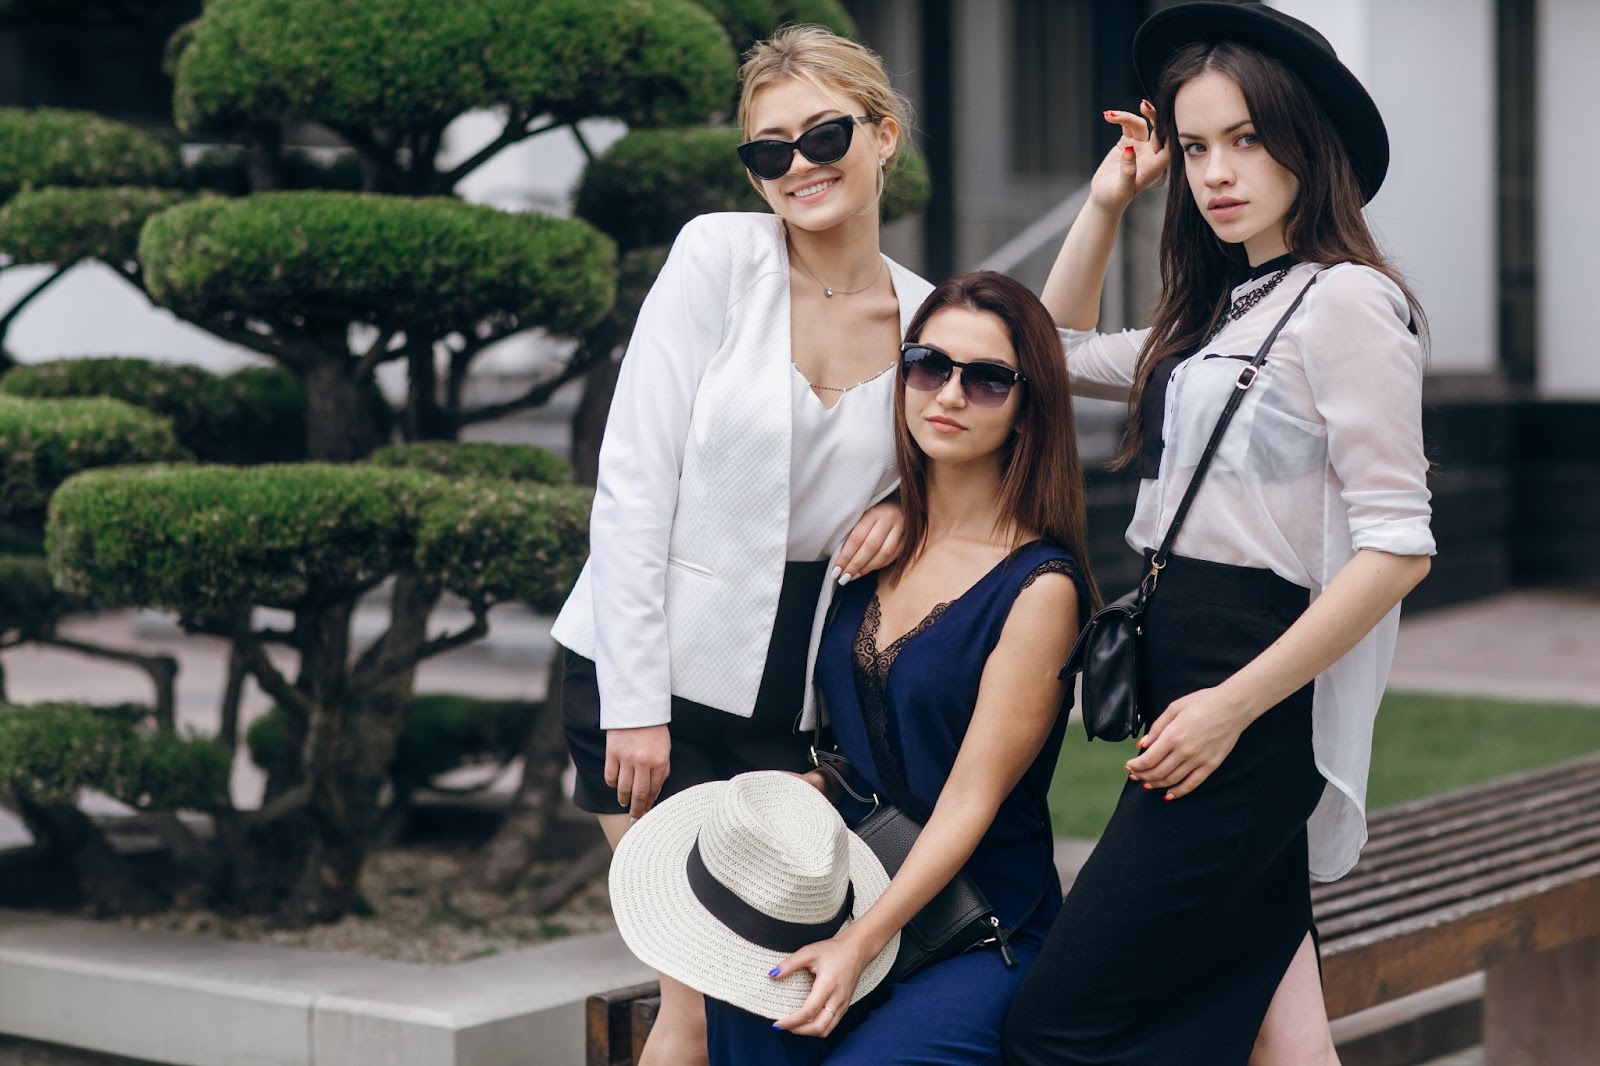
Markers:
833,65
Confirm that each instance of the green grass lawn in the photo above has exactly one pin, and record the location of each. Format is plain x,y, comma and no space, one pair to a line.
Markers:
1424,745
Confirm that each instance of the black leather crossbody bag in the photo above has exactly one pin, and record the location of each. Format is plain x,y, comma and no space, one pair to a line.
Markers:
1109,652
956,920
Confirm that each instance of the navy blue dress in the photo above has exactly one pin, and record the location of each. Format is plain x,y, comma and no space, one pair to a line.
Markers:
925,687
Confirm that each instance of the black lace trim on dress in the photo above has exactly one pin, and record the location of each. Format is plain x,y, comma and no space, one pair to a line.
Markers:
1051,566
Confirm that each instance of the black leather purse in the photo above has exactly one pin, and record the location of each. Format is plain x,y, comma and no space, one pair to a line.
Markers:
959,918
1109,652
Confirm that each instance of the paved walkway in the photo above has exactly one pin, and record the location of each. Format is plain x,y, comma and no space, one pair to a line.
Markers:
1526,645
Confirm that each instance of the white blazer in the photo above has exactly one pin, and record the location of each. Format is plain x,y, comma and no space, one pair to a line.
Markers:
689,530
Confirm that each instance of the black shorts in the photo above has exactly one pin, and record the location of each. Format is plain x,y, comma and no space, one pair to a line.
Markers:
709,744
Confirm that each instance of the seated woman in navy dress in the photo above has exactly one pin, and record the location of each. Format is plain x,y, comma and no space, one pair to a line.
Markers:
946,663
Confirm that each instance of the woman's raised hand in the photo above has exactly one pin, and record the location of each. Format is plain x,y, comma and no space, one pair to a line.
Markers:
1134,163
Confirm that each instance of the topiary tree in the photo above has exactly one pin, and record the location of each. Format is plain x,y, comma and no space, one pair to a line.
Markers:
44,442
73,154
211,543
246,68
252,415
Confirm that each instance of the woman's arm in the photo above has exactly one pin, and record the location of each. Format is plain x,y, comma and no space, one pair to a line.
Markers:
1365,372
1194,734
1019,698
1102,366
679,329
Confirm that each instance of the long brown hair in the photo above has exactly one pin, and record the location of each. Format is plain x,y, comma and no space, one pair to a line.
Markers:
1041,479
1324,224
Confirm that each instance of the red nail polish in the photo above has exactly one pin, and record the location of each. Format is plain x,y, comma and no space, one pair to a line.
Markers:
1145,103
1168,797
1128,150
1147,786
1108,114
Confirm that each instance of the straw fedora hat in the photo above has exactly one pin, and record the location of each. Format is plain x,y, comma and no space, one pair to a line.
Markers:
720,883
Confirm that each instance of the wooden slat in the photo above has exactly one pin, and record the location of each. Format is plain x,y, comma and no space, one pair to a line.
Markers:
1535,779
1386,962
641,1016
608,1024
1387,842
1558,842
1464,846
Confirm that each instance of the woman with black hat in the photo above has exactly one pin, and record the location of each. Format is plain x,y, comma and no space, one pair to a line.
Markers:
1271,626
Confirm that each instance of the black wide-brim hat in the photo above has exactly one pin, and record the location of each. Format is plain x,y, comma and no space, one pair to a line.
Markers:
1299,47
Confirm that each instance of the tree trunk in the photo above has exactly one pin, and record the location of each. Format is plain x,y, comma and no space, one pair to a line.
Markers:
589,420
425,418
516,844
340,426
107,881
264,158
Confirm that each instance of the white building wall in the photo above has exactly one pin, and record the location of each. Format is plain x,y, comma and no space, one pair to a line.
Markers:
1568,203
1430,65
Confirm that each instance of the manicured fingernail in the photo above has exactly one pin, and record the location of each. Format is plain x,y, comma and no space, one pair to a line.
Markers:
1147,786
845,580
1128,150
1169,797
835,574
1108,114
773,973
778,1027
1144,103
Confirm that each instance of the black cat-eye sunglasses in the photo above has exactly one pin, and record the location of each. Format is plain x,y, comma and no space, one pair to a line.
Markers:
824,143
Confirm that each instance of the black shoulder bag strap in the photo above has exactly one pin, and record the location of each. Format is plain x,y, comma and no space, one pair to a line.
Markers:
1247,378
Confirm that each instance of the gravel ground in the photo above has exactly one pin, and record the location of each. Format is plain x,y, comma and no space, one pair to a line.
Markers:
414,913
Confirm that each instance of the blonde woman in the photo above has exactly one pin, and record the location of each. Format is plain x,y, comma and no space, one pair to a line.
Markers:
749,440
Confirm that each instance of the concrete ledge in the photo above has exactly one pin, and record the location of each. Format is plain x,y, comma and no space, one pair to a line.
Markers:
196,1001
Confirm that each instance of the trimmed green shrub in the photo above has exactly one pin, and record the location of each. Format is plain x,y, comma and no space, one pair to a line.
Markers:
748,21
253,415
44,442
649,183
28,602
47,146
207,540
496,540
299,258
62,226
479,459
443,731
416,64
48,752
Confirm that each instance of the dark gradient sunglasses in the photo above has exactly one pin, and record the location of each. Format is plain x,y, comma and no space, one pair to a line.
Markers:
926,369
824,143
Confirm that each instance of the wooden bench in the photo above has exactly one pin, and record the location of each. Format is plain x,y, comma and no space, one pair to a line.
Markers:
1502,877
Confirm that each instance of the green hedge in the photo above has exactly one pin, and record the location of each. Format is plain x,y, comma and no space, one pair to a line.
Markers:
748,21
44,442
47,146
479,459
649,183
204,540
254,415
49,752
62,226
28,602
442,731
416,64
506,541
295,257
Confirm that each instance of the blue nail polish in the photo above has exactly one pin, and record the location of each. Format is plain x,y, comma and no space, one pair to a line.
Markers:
778,1027
773,973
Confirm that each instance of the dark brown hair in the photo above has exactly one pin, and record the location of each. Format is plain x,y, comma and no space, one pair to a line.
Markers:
1324,224
1041,479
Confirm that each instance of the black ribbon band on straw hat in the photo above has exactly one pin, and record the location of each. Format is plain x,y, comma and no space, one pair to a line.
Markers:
756,926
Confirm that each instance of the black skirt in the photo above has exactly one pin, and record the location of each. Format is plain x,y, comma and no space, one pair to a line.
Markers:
1182,923
708,743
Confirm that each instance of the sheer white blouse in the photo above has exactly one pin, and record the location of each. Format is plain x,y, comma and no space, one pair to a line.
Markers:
1323,458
